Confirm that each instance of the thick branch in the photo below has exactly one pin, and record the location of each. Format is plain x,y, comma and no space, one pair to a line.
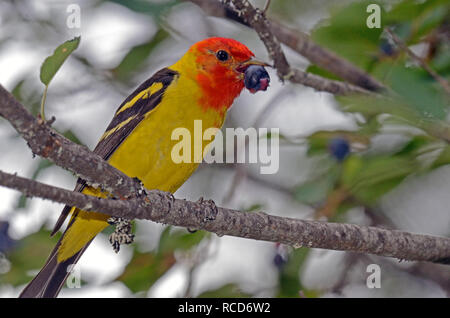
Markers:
162,207
47,143
301,43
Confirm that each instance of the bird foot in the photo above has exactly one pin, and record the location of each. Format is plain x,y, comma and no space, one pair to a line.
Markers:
122,233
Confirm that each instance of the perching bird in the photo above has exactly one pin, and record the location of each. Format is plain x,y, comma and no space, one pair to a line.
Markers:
202,85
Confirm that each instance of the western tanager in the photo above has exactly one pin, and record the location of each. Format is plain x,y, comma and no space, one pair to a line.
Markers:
202,85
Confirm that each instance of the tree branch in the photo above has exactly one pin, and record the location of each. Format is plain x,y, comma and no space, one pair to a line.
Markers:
163,207
261,25
444,83
47,143
301,43
271,31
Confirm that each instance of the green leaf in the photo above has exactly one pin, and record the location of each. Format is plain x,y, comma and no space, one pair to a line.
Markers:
429,100
371,177
17,90
441,60
226,291
346,33
423,116
319,71
30,99
145,269
30,254
271,135
52,63
43,164
318,142
153,8
289,277
179,239
416,143
138,54
350,170
432,19
443,158
69,134
316,191
253,208
372,192
417,18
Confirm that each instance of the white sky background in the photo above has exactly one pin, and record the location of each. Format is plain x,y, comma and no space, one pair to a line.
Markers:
108,31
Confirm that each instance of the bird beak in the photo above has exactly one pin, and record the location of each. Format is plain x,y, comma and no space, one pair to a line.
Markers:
244,65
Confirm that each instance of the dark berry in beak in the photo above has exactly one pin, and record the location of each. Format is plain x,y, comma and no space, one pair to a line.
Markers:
256,78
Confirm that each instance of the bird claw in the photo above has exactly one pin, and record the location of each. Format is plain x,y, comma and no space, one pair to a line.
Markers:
122,233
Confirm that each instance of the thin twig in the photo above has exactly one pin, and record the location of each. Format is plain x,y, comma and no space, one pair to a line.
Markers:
301,43
444,83
261,25
44,97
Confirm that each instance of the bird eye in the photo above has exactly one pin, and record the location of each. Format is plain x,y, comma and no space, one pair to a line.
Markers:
222,55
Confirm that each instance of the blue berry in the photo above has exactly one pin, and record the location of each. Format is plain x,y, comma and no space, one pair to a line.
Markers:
6,242
387,48
339,148
256,78
279,261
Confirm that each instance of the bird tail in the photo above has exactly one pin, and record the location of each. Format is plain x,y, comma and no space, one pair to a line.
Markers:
49,281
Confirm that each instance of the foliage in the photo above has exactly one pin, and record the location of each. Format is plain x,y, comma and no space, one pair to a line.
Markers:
358,175
366,175
289,276
138,55
52,63
146,268
225,291
29,255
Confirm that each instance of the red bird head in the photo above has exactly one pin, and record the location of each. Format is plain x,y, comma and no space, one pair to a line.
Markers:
218,66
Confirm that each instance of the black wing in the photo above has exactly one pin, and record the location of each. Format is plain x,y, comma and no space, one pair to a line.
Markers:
127,117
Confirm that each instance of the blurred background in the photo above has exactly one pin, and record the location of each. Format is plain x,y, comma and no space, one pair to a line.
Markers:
353,159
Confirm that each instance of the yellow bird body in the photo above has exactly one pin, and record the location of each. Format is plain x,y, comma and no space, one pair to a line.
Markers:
202,85
146,154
